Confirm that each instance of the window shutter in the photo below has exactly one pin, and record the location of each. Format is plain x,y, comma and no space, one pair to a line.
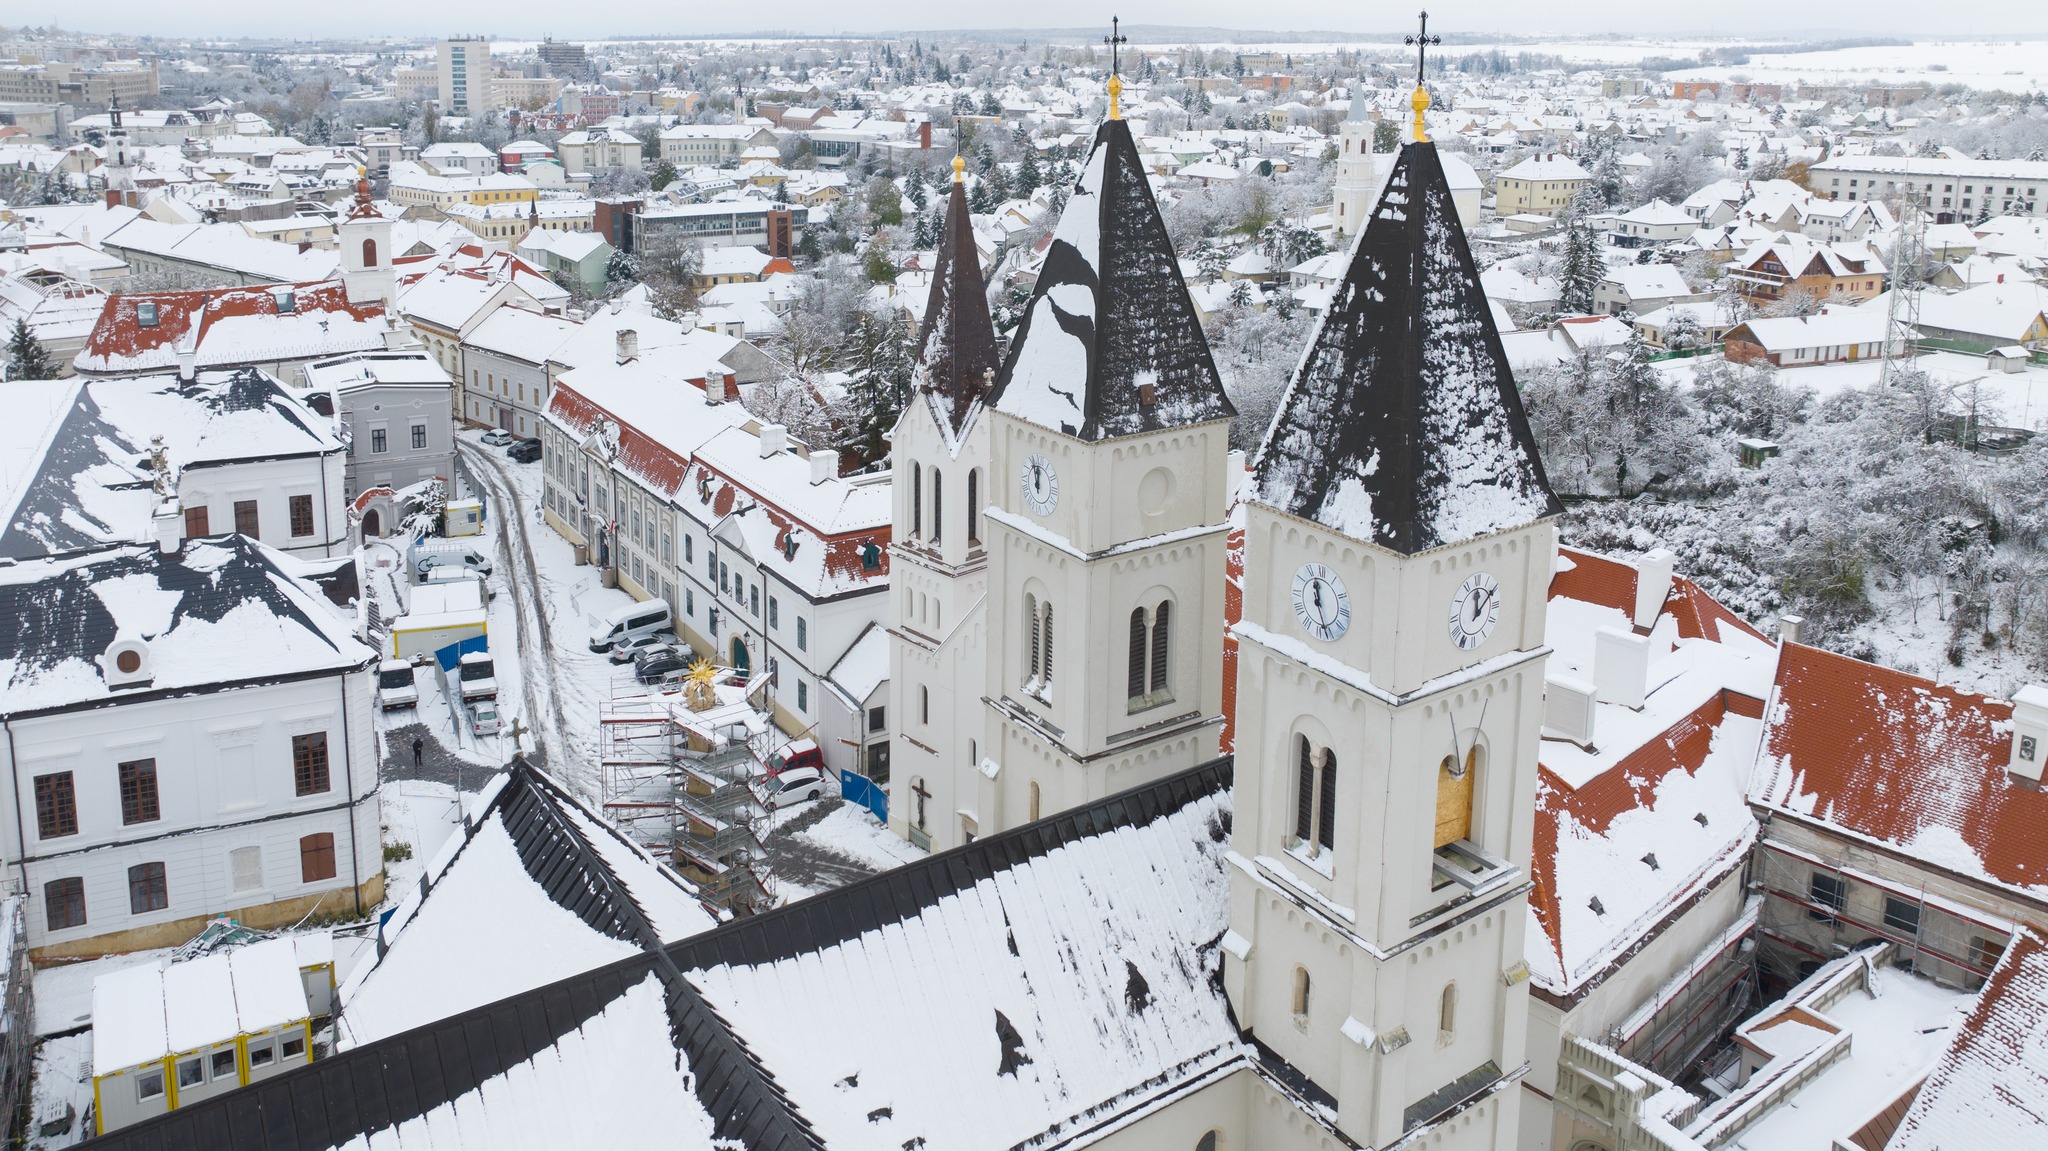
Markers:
1137,673
1326,815
1162,622
1304,793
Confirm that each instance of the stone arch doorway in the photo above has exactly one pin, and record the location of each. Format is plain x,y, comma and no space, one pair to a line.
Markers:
373,524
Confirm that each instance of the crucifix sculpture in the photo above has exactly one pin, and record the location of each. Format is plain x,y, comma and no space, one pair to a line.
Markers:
1116,40
1421,42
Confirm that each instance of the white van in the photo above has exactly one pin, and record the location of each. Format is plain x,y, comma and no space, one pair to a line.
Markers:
635,619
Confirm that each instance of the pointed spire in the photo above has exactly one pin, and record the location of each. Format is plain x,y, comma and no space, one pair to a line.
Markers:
956,351
1402,425
1110,344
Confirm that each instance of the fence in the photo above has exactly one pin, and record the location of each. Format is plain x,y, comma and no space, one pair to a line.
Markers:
858,788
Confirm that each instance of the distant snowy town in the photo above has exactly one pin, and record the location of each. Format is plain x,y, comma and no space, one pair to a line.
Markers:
573,593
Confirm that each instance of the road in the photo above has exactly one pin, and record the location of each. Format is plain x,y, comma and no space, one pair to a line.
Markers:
522,582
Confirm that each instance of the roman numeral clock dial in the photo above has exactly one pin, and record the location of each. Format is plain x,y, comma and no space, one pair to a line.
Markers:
1039,484
1321,603
1474,610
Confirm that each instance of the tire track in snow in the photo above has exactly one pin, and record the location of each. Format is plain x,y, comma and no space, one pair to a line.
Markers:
533,618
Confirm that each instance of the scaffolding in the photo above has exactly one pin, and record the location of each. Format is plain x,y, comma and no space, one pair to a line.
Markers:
1902,310
681,776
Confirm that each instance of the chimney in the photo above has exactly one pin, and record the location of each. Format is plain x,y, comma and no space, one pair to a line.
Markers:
1621,667
924,136
824,465
629,345
169,522
394,334
718,387
2029,732
1788,628
774,437
1653,585
188,364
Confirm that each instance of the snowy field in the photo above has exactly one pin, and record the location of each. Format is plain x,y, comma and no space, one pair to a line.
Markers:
2010,65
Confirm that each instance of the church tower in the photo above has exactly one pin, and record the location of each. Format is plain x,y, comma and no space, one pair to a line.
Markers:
365,237
1108,446
1360,171
119,162
1398,550
938,458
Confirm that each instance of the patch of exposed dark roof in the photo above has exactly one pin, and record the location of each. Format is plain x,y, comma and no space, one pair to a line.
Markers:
49,519
1403,425
1110,344
958,345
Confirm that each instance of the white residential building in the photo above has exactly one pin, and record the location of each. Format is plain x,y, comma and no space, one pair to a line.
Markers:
464,68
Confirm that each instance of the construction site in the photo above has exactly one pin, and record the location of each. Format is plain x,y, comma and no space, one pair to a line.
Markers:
683,764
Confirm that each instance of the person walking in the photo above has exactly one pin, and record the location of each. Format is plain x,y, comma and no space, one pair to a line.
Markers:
419,748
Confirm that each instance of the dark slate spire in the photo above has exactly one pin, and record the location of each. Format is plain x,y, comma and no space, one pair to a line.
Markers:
1110,345
1403,426
957,348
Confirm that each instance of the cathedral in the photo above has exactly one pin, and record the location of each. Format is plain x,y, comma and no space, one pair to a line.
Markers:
1307,886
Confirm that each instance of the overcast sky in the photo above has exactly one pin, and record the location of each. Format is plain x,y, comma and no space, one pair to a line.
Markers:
517,19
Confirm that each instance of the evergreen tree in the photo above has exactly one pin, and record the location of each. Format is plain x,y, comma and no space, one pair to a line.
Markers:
881,370
27,359
926,234
989,106
1029,176
1582,268
979,199
915,189
664,175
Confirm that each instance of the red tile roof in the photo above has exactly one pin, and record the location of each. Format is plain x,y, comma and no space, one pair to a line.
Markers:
654,465
1596,579
1904,761
119,341
1988,1090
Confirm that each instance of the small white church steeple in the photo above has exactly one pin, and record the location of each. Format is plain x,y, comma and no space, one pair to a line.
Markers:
365,236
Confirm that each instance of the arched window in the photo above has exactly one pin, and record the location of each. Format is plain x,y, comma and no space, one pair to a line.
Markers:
1304,792
1454,798
974,506
916,499
924,704
1136,678
1034,799
1447,1014
1301,994
1210,1141
1031,662
1161,621
1315,796
369,253
938,504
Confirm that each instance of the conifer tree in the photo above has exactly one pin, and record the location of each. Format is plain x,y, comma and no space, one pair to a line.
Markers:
1582,268
27,359
1029,176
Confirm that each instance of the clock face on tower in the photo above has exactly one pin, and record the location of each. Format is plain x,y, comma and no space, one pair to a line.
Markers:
1474,610
1039,483
1320,602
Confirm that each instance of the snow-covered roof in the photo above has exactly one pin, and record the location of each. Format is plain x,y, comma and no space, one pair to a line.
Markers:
1648,281
2008,310
1902,761
219,612
1552,166
864,667
1403,425
1986,1090
518,334
84,481
1827,328
536,865
231,327
1110,344
143,1013
1655,813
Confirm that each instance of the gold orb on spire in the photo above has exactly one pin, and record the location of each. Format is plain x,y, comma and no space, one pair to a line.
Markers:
959,170
1420,102
1116,90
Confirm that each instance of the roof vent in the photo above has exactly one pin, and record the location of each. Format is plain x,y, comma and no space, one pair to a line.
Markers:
1568,710
126,663
1621,666
2029,732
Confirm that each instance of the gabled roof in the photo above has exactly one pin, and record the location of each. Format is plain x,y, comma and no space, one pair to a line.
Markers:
220,611
769,1034
231,327
1903,762
534,865
958,344
1987,1090
1402,426
1110,344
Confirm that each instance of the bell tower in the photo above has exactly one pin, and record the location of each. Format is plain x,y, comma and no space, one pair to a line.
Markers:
938,461
1398,549
365,237
1109,482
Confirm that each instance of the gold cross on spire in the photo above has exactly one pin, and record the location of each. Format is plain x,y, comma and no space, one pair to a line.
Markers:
1421,42
1116,40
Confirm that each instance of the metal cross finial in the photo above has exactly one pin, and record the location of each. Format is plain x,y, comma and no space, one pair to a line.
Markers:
1421,42
1116,40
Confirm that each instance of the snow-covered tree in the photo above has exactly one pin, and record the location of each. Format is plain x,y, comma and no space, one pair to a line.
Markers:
27,359
1581,268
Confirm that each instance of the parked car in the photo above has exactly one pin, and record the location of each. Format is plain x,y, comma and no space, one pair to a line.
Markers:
526,451
631,620
633,647
458,556
795,754
395,686
658,663
498,437
794,786
483,717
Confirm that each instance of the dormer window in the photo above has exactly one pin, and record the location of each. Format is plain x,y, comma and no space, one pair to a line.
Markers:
287,302
145,313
